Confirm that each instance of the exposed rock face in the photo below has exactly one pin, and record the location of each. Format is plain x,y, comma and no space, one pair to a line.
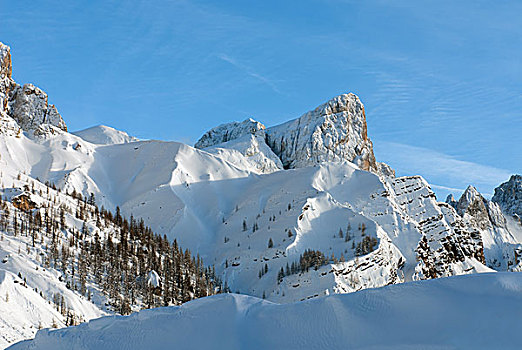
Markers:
473,205
28,105
334,131
509,196
447,246
451,201
5,75
230,131
501,248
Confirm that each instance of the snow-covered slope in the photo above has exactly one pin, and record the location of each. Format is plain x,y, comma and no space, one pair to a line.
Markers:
248,152
322,226
26,292
465,312
104,135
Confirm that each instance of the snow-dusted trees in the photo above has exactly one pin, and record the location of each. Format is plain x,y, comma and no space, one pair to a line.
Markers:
95,249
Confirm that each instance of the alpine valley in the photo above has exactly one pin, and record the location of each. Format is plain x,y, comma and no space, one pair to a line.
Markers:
96,222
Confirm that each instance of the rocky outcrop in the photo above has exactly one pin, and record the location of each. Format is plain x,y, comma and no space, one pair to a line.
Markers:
447,246
501,248
509,196
29,107
5,75
473,206
335,131
26,105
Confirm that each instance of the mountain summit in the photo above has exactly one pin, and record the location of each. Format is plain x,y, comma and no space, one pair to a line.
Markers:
334,131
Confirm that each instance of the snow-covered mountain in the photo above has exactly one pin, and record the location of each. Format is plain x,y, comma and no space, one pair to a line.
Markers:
288,213
450,313
104,135
334,131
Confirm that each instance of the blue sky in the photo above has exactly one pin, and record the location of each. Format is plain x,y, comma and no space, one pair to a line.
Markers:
441,80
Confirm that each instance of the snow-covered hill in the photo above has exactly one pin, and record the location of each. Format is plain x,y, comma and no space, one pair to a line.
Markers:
465,312
104,135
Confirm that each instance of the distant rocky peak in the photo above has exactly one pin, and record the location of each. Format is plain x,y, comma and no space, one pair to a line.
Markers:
27,105
451,201
228,132
478,211
468,197
509,196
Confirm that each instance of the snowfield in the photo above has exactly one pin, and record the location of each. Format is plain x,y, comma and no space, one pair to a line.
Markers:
465,312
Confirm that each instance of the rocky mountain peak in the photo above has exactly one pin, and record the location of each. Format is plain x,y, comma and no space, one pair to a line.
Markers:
450,199
29,106
469,196
509,196
334,131
228,132
26,105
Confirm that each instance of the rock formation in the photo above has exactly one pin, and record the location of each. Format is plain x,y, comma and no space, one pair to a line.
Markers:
334,131
26,105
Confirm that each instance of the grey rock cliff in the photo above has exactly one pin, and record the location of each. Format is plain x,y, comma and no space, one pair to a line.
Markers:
26,105
509,196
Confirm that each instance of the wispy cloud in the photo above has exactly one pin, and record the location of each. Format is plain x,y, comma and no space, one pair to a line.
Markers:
247,70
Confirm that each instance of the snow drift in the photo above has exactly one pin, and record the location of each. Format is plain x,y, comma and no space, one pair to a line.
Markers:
464,312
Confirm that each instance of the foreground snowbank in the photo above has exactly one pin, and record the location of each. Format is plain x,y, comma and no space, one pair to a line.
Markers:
474,312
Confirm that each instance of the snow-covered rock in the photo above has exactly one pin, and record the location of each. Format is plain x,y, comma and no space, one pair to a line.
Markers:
5,75
104,135
448,313
29,107
472,205
509,196
333,131
230,131
336,131
249,152
501,247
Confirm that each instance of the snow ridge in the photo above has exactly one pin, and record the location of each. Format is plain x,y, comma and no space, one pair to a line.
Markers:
408,316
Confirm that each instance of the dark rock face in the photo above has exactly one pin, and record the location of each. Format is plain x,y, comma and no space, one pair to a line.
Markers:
509,196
